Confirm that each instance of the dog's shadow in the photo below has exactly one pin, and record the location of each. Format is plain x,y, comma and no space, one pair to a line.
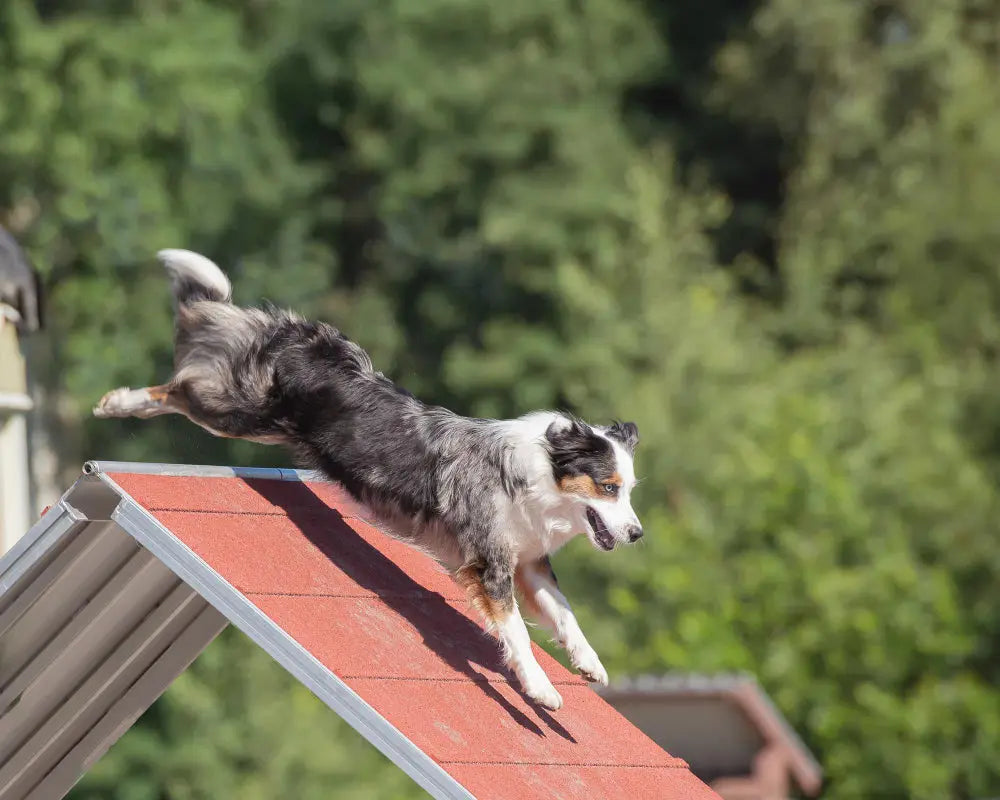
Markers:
428,616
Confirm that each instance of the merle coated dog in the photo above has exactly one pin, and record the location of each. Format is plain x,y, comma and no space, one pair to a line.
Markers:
489,499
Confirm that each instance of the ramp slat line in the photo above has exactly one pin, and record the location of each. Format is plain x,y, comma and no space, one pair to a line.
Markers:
15,676
90,700
77,548
125,711
35,550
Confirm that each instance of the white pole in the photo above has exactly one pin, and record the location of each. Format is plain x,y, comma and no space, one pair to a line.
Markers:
15,516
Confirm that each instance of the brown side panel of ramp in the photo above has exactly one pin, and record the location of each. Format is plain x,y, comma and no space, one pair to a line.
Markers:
387,621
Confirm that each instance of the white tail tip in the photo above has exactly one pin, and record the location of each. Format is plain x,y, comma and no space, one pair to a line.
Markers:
187,267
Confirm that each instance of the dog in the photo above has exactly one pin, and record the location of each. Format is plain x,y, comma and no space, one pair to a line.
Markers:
490,500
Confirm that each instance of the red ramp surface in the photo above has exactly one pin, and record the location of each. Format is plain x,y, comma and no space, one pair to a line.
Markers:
354,608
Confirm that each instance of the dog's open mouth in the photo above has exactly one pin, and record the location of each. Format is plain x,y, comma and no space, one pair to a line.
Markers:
601,533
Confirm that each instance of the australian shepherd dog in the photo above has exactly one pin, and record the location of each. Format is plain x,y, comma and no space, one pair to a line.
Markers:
489,499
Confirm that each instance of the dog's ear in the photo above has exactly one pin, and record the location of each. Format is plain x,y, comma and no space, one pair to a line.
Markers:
568,434
626,434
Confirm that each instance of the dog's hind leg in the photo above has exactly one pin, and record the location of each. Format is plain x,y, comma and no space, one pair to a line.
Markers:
151,401
537,583
490,587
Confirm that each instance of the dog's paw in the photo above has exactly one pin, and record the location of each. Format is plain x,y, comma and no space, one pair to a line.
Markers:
586,662
112,404
546,696
538,687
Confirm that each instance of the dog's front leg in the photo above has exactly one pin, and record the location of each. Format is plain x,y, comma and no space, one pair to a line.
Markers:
491,590
541,592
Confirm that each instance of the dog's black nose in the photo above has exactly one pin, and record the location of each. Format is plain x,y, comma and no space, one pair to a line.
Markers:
634,533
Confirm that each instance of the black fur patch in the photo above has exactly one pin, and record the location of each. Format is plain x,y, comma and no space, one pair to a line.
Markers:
363,430
545,563
190,290
626,434
579,450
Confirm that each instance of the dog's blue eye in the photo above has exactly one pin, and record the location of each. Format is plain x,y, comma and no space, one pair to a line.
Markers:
610,488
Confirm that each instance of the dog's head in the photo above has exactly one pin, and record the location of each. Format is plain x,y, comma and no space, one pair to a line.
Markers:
592,467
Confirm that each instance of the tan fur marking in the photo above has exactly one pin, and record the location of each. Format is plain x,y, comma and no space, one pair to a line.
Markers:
584,485
161,394
167,395
468,577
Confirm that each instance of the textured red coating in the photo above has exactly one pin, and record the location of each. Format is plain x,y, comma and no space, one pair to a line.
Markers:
407,637
561,782
312,554
394,627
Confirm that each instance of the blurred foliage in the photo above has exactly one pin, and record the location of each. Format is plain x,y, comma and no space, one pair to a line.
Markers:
764,231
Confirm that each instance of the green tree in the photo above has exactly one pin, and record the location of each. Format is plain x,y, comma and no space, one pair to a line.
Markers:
764,231
888,111
124,134
476,145
817,519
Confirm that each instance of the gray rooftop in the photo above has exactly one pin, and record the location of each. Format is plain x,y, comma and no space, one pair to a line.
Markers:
19,285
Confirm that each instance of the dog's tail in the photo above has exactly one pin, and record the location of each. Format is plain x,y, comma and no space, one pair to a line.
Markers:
194,277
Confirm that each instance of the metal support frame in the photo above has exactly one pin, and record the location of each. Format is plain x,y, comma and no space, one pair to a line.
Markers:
101,607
